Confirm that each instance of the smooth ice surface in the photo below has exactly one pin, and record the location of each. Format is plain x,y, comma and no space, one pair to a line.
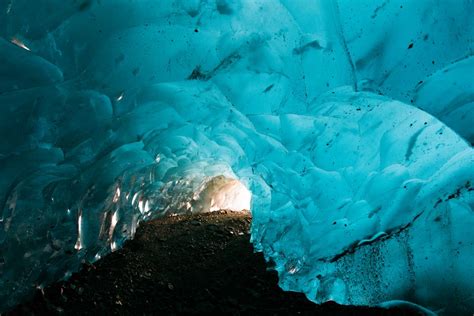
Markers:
349,121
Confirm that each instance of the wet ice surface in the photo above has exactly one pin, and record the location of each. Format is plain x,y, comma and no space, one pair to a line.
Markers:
352,131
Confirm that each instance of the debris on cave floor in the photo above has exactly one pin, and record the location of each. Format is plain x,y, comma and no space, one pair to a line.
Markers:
189,264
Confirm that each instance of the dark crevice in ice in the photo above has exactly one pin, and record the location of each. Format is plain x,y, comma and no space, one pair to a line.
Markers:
380,237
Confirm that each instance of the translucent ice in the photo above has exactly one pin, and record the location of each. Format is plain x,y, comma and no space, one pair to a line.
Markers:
350,122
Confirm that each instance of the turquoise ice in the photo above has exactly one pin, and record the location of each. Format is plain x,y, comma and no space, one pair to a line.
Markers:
350,122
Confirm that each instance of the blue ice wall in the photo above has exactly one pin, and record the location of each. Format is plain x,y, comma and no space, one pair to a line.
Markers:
350,122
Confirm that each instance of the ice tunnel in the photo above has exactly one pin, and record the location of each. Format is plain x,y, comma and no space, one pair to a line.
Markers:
350,123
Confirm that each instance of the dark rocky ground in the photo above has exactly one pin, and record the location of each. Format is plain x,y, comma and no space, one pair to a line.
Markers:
199,264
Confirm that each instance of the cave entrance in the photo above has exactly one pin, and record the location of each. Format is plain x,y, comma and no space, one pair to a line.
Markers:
222,193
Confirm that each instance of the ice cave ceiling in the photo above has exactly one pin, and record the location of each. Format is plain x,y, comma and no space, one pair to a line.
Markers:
351,123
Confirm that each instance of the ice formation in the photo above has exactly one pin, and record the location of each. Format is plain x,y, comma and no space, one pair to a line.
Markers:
350,122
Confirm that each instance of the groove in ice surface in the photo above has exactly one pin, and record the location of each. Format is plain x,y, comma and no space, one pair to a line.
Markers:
353,133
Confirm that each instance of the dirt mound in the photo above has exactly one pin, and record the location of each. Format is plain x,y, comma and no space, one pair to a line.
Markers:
183,265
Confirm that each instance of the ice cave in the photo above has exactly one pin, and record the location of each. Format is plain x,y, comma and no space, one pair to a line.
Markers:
346,127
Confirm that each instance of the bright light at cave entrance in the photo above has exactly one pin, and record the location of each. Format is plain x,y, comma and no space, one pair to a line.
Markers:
222,193
231,196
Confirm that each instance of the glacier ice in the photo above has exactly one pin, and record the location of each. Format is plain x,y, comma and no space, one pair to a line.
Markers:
350,122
